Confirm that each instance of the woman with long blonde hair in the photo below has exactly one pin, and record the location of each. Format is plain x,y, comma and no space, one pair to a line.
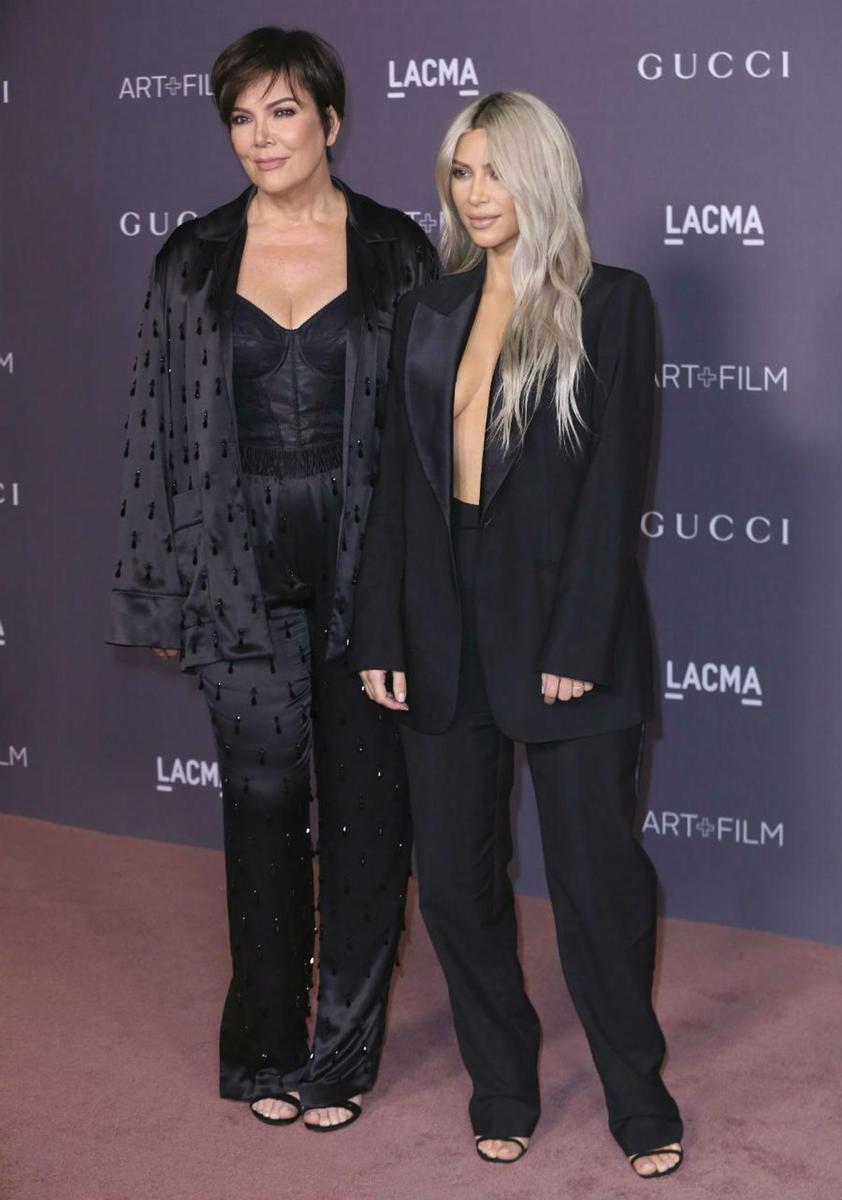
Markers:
500,599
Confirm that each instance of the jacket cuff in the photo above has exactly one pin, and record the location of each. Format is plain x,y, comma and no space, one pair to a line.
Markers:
589,666
145,619
378,654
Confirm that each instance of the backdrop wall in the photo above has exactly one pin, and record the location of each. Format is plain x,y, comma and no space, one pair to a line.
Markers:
708,135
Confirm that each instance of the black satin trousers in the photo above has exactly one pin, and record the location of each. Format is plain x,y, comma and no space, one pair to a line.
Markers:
602,888
270,719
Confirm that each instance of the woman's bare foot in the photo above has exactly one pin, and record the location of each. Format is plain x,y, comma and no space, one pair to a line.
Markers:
332,1115
275,1110
658,1161
503,1148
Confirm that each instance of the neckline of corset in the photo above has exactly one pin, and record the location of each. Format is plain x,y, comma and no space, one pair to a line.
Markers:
295,328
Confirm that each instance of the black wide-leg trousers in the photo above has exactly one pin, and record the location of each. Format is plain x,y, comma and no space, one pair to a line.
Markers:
602,888
267,716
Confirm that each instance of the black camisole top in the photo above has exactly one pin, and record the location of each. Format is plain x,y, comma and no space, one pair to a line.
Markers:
289,389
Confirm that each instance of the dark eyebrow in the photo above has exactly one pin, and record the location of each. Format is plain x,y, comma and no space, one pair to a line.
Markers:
271,104
457,162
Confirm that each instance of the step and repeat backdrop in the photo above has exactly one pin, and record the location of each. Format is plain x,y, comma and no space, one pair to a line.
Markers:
708,136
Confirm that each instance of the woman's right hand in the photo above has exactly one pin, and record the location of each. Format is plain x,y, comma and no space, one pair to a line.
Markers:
374,685
164,653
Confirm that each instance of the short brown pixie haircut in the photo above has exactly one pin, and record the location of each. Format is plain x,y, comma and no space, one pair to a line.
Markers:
307,60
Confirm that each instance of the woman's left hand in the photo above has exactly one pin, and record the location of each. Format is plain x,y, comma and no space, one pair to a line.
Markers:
374,686
561,687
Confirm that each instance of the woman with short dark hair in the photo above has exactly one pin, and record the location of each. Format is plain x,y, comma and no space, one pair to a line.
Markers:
251,451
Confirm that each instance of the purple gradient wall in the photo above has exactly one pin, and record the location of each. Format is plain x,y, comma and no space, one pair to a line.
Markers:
708,135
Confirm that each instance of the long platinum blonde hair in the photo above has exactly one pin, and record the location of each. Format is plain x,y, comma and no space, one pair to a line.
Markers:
532,155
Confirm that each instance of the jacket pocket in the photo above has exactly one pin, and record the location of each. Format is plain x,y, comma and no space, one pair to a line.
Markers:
186,509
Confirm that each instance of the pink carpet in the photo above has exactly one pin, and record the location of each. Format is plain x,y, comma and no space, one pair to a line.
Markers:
114,968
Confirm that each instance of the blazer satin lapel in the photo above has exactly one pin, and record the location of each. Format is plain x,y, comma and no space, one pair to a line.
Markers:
496,464
434,349
360,283
227,261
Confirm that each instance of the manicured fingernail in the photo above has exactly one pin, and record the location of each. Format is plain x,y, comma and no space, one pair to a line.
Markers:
401,696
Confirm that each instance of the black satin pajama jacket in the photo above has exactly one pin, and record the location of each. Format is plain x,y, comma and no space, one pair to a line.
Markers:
185,575
276,684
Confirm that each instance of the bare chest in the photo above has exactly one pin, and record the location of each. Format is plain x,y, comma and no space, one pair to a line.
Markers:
471,395
476,368
291,277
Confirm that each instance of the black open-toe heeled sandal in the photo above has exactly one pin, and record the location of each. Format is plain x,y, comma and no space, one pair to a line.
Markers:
507,1162
353,1109
285,1098
649,1154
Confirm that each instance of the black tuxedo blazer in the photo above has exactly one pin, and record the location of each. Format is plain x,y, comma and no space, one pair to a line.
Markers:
558,585
186,575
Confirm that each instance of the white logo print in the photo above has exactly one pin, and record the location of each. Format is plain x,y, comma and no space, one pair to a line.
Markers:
732,829
690,377
16,756
433,72
160,87
7,362
132,223
192,772
715,219
714,677
10,494
757,64
426,220
720,528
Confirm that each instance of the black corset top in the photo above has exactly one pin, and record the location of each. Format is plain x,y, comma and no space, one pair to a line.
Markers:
289,389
